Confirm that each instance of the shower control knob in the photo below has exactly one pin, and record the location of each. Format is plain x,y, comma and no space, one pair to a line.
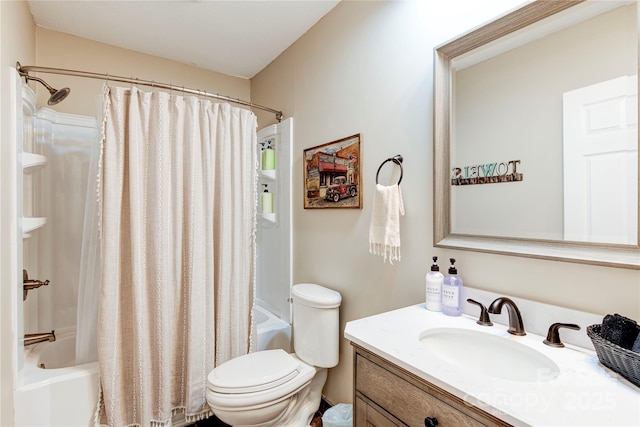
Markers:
30,284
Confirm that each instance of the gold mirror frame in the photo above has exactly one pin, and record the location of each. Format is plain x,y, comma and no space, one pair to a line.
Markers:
612,255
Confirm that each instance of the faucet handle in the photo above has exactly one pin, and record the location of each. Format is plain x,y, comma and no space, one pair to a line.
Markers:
553,336
30,284
484,319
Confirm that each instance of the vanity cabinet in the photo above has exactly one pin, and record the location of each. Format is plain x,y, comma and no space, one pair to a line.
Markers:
387,395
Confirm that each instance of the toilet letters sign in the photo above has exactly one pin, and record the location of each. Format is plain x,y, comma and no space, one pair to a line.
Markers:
488,173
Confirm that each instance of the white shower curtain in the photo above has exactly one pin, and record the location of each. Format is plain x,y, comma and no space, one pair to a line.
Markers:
178,185
89,275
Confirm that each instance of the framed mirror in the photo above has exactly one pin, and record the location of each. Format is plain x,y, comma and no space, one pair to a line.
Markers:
536,134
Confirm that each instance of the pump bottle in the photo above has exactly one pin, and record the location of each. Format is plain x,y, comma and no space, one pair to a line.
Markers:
434,287
452,292
267,200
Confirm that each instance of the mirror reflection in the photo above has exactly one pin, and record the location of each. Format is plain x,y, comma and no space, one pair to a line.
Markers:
544,136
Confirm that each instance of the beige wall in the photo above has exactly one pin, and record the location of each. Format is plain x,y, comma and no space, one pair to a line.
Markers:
59,50
367,68
17,43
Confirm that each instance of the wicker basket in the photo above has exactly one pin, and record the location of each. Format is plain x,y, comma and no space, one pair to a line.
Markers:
623,361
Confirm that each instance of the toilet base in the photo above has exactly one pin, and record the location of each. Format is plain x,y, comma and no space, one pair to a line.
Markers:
310,402
295,411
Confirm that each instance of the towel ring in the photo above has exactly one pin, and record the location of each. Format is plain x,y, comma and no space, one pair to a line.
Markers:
397,159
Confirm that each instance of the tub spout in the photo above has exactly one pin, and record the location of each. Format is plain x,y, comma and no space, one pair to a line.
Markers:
30,339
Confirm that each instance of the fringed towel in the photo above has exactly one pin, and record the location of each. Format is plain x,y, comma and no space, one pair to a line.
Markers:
384,231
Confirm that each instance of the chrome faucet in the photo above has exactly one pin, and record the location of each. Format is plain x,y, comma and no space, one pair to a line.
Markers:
30,339
516,326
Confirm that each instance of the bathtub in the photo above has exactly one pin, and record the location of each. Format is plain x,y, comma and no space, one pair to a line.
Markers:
61,394
54,392
272,331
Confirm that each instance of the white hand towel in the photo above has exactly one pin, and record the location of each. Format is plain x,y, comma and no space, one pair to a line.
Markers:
384,231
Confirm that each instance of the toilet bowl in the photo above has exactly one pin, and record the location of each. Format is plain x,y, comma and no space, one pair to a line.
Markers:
273,387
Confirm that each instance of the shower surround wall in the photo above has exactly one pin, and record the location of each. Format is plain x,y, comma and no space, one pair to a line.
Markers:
59,194
273,234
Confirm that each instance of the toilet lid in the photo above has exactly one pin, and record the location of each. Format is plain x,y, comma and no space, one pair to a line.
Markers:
254,372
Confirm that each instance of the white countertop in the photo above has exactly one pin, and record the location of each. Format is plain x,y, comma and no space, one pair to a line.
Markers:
585,393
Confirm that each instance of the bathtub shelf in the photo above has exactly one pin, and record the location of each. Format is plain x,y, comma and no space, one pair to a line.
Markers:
269,174
32,162
30,224
269,217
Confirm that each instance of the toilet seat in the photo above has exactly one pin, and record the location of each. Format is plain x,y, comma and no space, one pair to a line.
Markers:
256,379
253,372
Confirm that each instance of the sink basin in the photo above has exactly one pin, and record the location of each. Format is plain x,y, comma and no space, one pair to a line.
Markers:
489,355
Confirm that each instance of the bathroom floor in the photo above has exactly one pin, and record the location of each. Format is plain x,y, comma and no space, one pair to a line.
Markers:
215,422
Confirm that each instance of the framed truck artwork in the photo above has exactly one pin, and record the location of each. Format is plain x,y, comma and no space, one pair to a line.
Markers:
332,175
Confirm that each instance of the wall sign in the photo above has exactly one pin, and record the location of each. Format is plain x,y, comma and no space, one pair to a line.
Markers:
488,173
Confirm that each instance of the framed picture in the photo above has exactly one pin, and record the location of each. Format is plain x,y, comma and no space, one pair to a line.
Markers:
332,175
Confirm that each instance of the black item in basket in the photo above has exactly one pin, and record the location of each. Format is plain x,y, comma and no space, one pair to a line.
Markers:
623,361
619,330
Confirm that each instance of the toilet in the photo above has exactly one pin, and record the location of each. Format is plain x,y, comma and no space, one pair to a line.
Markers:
273,387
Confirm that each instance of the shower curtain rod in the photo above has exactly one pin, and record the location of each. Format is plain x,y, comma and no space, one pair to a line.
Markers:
24,70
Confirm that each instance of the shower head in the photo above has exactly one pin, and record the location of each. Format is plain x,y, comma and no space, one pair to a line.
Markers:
57,95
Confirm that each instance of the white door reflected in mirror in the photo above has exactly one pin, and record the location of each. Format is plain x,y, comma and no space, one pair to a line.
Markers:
600,137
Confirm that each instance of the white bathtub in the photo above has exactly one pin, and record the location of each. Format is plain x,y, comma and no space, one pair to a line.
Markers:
272,331
60,395
64,395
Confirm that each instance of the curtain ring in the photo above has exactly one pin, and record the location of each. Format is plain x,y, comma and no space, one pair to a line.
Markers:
397,159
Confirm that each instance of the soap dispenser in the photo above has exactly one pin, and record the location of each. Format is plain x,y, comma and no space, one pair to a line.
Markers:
452,292
268,156
434,287
267,200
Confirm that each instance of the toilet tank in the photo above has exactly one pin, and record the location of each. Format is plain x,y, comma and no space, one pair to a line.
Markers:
315,324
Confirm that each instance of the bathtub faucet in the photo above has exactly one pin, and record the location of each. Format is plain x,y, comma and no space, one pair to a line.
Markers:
30,339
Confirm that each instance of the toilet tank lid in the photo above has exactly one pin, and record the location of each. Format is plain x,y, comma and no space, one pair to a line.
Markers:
314,295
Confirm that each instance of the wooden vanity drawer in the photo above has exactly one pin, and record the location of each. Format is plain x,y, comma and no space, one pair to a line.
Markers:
367,414
409,399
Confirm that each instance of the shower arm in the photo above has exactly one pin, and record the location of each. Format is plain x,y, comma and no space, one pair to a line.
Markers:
24,70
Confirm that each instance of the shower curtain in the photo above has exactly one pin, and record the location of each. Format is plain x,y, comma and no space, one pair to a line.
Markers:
88,284
178,184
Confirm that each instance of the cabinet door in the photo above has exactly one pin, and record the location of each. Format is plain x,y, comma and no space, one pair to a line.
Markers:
368,416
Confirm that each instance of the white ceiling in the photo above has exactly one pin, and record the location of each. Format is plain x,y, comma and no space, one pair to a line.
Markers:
234,37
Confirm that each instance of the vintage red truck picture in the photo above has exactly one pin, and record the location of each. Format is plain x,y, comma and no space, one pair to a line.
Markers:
340,189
